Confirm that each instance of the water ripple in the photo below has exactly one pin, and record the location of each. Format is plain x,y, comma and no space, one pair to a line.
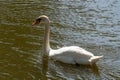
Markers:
94,25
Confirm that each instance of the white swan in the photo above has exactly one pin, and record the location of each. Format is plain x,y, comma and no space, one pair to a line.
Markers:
71,54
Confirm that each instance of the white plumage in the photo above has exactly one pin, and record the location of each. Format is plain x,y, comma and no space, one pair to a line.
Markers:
70,54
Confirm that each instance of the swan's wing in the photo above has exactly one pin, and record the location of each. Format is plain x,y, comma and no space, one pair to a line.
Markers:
72,54
71,50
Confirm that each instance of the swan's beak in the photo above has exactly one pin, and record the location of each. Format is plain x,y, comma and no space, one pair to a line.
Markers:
36,22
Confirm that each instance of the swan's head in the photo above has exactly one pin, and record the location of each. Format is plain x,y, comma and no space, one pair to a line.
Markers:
41,18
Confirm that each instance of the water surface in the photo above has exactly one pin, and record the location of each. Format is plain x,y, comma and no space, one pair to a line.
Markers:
91,24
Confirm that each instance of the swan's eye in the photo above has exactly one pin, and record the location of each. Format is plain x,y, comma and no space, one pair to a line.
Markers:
38,19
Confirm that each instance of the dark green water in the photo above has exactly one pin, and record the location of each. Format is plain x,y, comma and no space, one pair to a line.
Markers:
91,24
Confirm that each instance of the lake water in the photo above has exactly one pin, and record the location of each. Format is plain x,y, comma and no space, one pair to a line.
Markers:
91,24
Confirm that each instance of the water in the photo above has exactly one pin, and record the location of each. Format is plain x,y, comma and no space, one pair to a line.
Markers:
91,24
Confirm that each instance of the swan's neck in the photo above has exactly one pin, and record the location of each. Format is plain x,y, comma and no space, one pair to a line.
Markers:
46,38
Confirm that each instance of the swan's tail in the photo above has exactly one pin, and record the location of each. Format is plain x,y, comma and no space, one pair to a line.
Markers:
94,59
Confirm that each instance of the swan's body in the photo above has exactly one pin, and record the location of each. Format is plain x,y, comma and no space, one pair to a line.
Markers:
71,54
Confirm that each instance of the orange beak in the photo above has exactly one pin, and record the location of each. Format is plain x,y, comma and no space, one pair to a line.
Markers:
36,22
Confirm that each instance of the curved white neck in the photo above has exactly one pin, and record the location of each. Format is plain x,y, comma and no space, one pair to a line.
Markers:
46,38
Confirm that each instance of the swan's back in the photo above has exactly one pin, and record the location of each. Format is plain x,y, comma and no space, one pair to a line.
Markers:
72,54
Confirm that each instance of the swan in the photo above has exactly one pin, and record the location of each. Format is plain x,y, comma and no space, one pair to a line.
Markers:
70,54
